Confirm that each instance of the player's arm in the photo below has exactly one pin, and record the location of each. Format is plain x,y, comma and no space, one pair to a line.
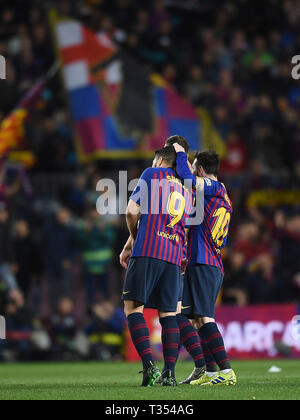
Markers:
184,170
133,215
129,244
126,253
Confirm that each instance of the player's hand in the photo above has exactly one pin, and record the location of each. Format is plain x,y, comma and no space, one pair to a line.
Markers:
178,148
184,266
125,257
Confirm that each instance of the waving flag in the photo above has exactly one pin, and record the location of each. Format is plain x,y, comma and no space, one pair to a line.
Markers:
118,108
12,131
12,128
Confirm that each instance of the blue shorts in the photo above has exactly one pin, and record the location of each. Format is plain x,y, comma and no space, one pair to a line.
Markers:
155,283
202,285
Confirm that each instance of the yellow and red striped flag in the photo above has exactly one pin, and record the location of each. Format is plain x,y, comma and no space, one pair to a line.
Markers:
12,128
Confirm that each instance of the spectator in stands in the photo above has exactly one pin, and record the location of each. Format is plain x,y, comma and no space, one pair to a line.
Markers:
235,163
288,233
235,281
77,199
52,142
8,266
105,331
262,283
195,85
63,329
58,245
27,257
259,57
96,239
9,185
249,241
19,327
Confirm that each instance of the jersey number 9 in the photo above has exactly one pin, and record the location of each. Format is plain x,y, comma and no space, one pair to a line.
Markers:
176,207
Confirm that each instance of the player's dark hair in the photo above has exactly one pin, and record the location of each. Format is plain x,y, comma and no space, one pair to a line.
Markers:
168,154
209,160
180,140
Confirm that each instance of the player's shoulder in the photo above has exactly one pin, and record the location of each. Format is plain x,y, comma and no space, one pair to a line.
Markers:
212,183
208,182
224,195
212,186
152,173
149,173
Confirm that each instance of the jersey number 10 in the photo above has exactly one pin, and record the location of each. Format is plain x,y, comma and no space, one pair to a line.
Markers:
221,226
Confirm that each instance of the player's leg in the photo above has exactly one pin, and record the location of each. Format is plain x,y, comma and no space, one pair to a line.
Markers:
188,334
168,290
209,329
140,336
214,341
139,330
134,297
170,341
208,282
195,344
159,381
191,341
211,365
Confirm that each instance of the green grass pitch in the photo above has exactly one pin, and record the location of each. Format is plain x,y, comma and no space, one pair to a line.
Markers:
121,381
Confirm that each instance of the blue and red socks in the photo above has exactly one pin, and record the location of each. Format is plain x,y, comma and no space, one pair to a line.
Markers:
140,337
215,343
170,341
210,362
190,340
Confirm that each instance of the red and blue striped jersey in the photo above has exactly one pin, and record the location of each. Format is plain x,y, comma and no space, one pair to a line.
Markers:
207,239
165,208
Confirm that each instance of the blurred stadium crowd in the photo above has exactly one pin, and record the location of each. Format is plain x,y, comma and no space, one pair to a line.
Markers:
59,274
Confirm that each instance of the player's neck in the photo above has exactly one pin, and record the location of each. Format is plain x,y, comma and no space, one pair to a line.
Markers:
212,177
163,166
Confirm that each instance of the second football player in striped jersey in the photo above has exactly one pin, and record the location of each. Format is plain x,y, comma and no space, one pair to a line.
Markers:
205,272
